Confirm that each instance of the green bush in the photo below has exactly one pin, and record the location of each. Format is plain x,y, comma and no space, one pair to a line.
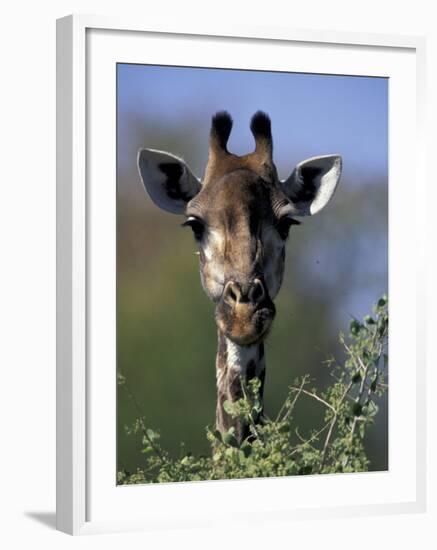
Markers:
275,446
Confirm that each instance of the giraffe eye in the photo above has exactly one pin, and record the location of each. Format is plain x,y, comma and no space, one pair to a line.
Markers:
283,226
197,226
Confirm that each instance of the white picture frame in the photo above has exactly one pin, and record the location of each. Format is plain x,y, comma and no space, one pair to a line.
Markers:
76,380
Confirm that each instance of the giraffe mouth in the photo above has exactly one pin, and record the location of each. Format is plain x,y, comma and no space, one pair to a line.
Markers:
245,325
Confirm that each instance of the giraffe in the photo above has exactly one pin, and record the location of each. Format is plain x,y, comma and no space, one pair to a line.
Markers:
240,214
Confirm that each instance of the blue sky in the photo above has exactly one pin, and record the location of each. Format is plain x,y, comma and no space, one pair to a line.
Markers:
311,114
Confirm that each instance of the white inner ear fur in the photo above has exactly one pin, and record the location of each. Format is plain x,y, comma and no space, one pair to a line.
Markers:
325,182
155,180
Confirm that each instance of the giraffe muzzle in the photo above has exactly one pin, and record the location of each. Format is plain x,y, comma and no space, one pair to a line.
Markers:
245,311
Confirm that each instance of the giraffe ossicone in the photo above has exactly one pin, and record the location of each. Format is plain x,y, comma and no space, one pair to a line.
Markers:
240,214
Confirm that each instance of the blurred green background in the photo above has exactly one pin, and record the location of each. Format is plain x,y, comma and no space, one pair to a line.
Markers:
336,264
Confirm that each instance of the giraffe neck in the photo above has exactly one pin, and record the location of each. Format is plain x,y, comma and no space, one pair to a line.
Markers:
235,363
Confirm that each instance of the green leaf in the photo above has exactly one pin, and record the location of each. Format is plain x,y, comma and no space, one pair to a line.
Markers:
246,448
284,428
229,438
373,409
357,409
356,378
217,435
152,435
355,327
241,455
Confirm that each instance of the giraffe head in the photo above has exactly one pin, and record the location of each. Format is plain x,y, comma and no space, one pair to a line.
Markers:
240,214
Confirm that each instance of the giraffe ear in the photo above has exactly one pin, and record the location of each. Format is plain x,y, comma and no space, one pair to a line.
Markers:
313,183
168,180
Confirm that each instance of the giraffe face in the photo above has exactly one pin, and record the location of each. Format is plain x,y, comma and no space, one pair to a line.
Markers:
240,223
240,215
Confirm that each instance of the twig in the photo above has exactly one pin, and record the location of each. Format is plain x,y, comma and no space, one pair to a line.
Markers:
293,403
331,427
242,382
363,381
143,430
307,441
315,396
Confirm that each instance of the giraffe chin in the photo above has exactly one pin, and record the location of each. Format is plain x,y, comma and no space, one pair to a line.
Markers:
248,328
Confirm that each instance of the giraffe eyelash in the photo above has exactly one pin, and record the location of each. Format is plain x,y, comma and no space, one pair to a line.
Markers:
197,225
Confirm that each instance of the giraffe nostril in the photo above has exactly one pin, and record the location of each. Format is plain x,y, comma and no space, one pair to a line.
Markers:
251,294
232,293
256,292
